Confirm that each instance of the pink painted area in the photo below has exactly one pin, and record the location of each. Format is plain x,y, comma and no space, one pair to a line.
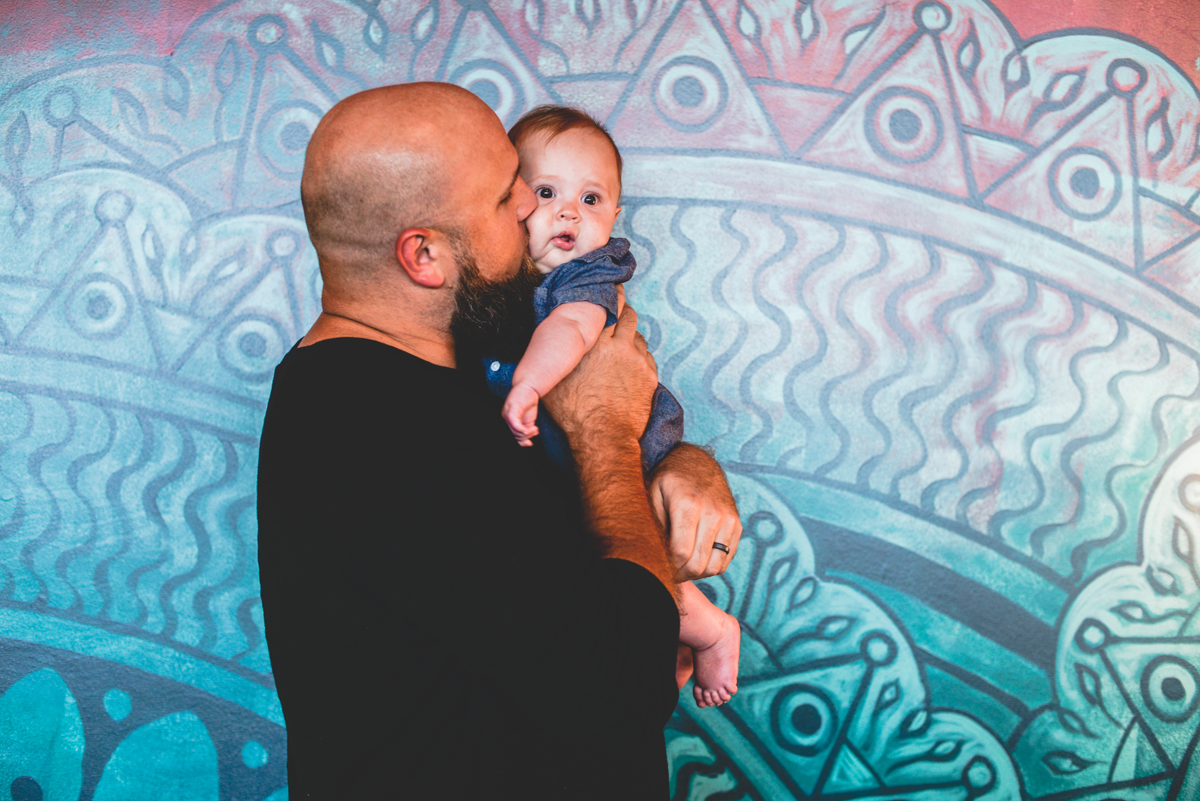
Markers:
1171,26
90,27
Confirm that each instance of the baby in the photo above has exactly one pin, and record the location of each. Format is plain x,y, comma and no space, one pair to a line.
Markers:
574,169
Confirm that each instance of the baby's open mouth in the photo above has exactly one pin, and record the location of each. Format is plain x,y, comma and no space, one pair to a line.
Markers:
564,240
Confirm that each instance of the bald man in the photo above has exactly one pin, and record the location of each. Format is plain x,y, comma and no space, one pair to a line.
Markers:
448,615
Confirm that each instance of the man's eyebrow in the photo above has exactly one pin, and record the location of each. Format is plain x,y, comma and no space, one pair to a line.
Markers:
511,184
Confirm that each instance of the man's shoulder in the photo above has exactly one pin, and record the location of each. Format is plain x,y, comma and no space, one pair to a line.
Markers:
345,365
355,354
345,387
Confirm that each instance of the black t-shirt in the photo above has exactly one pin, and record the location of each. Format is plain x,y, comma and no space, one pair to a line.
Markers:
439,623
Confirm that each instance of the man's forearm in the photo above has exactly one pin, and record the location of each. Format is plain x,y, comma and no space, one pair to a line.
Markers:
618,508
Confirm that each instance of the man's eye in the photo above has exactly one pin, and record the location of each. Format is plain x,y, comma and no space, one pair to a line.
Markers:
545,193
591,200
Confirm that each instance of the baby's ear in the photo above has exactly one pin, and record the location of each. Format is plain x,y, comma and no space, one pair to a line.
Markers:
618,211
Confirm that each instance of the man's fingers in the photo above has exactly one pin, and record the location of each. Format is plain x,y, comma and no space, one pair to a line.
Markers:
735,537
727,533
684,521
626,324
731,535
659,507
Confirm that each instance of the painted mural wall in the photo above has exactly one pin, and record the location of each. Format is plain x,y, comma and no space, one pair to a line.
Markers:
930,291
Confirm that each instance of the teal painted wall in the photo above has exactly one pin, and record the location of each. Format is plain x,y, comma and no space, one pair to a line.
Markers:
930,291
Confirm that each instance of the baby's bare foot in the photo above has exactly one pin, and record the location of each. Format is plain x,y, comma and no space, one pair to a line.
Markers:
683,665
717,666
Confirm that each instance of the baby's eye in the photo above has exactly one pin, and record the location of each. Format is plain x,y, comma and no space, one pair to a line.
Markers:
545,192
591,199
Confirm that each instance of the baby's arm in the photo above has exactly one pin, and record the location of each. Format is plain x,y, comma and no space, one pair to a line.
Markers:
715,639
558,343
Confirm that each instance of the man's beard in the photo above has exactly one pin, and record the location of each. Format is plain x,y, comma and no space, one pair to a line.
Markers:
493,317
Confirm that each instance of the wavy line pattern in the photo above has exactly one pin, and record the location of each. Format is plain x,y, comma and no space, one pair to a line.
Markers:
970,392
113,523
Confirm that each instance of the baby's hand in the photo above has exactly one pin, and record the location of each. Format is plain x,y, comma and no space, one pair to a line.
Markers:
520,412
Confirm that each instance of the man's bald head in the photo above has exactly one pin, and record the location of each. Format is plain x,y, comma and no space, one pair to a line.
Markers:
390,159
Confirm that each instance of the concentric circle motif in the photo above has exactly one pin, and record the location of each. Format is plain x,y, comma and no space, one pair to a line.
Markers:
113,207
268,31
878,649
1084,183
1171,688
283,136
494,84
804,720
61,106
1092,635
932,16
903,125
99,307
250,347
283,244
690,93
1125,77
979,776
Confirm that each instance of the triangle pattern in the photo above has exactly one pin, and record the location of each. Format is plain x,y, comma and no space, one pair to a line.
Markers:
80,148
208,176
18,304
96,311
503,80
991,158
1146,761
850,774
597,98
173,330
691,91
897,129
1164,689
1079,186
1163,227
221,351
265,299
1178,271
271,171
797,110
802,715
1124,764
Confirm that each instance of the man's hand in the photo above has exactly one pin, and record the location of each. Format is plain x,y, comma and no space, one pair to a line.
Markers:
607,396
691,498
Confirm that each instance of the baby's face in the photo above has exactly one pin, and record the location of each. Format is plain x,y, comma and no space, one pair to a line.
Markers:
574,177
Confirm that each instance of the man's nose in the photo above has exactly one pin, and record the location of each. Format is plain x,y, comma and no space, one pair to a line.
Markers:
526,200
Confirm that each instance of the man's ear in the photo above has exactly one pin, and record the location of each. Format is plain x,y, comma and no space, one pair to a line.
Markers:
423,255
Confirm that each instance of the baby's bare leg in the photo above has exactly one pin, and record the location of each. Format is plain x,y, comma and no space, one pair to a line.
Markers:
715,639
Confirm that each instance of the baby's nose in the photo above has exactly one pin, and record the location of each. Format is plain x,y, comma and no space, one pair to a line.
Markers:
568,210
